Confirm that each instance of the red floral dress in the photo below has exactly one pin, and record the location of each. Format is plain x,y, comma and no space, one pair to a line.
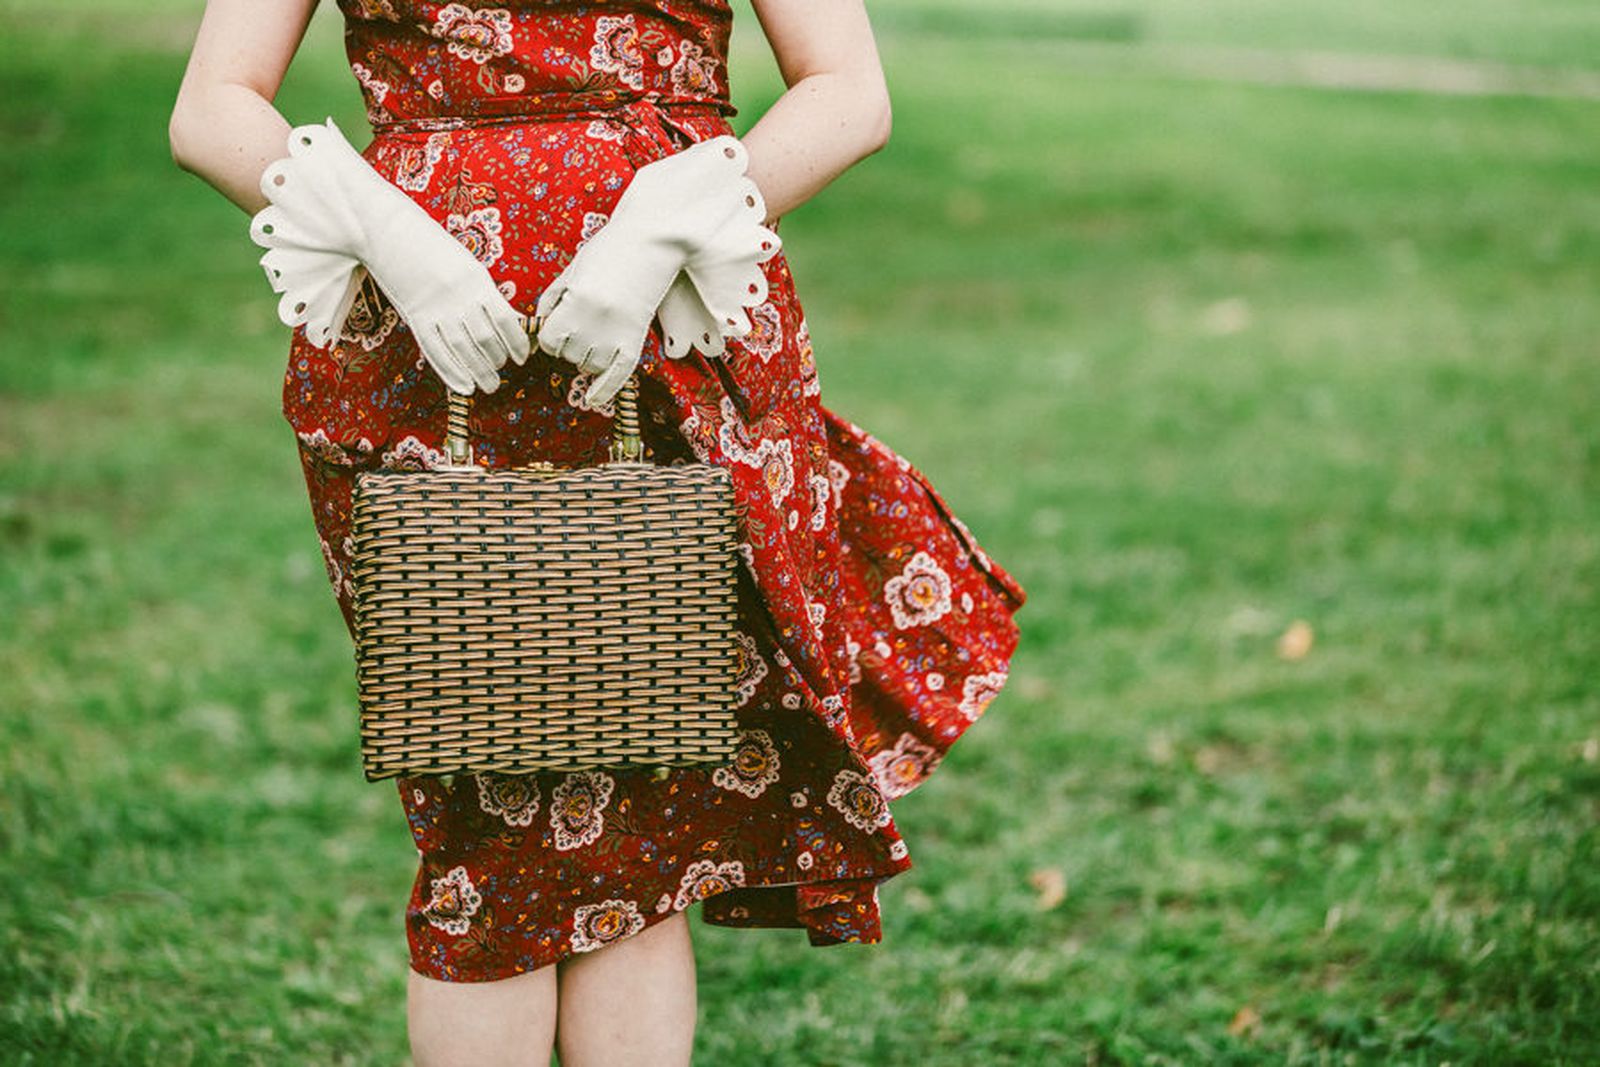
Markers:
873,628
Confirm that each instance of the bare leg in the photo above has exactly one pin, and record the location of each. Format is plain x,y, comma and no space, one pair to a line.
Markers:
507,1023
632,1003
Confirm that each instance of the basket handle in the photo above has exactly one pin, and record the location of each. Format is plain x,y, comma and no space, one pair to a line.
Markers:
627,445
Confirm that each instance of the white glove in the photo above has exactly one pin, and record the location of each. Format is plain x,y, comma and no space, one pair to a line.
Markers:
694,211
686,322
331,214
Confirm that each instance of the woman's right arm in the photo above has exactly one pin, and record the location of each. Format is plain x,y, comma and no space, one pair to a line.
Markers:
224,127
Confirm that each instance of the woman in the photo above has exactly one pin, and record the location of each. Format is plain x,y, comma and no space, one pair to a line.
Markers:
580,160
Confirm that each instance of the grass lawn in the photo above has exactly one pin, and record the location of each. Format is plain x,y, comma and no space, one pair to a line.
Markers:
1279,401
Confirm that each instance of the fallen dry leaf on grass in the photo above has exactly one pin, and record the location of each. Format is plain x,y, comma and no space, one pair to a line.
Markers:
1296,640
1245,1021
1051,885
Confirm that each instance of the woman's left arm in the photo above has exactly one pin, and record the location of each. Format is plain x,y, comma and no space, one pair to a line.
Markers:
836,110
224,127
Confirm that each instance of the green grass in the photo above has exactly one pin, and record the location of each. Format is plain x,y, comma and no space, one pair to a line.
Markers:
1194,360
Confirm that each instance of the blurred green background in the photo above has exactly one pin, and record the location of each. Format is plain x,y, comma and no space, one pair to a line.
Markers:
1258,338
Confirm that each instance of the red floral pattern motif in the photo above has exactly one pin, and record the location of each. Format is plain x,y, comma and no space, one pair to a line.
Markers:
872,628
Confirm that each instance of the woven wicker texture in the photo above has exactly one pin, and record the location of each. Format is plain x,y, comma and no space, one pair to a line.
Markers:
557,619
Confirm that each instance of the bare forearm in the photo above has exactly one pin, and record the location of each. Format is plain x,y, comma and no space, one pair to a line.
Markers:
224,127
227,134
816,131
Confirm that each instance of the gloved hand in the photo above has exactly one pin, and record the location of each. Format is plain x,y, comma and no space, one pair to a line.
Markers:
331,214
694,211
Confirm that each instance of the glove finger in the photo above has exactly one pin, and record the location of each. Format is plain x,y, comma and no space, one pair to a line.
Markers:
475,357
486,340
685,322
550,298
437,350
512,331
557,330
611,380
483,368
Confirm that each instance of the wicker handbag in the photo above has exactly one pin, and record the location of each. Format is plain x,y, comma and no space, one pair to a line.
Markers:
544,618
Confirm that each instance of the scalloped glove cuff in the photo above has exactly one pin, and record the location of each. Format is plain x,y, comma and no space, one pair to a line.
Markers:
329,212
694,212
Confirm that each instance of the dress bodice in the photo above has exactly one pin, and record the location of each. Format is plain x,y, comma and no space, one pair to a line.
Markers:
423,64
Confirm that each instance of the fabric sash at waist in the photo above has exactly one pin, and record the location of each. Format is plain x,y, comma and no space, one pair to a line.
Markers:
534,108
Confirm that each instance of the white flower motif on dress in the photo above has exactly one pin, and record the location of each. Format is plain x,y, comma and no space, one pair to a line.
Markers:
336,575
833,710
695,73
597,925
838,474
455,901
417,161
579,388
978,690
515,83
616,50
513,797
966,603
821,493
775,459
697,433
592,222
410,454
374,85
900,768
371,317
797,799
734,436
320,445
898,850
804,860
478,35
818,612
852,649
606,130
857,798
479,231
766,331
754,765
664,56
576,807
706,878
810,382
665,903
920,593
751,668
935,681
377,9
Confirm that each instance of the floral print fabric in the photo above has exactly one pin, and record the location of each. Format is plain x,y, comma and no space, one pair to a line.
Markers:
873,630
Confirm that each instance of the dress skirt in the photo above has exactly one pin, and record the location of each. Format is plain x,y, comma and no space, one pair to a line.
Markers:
873,630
